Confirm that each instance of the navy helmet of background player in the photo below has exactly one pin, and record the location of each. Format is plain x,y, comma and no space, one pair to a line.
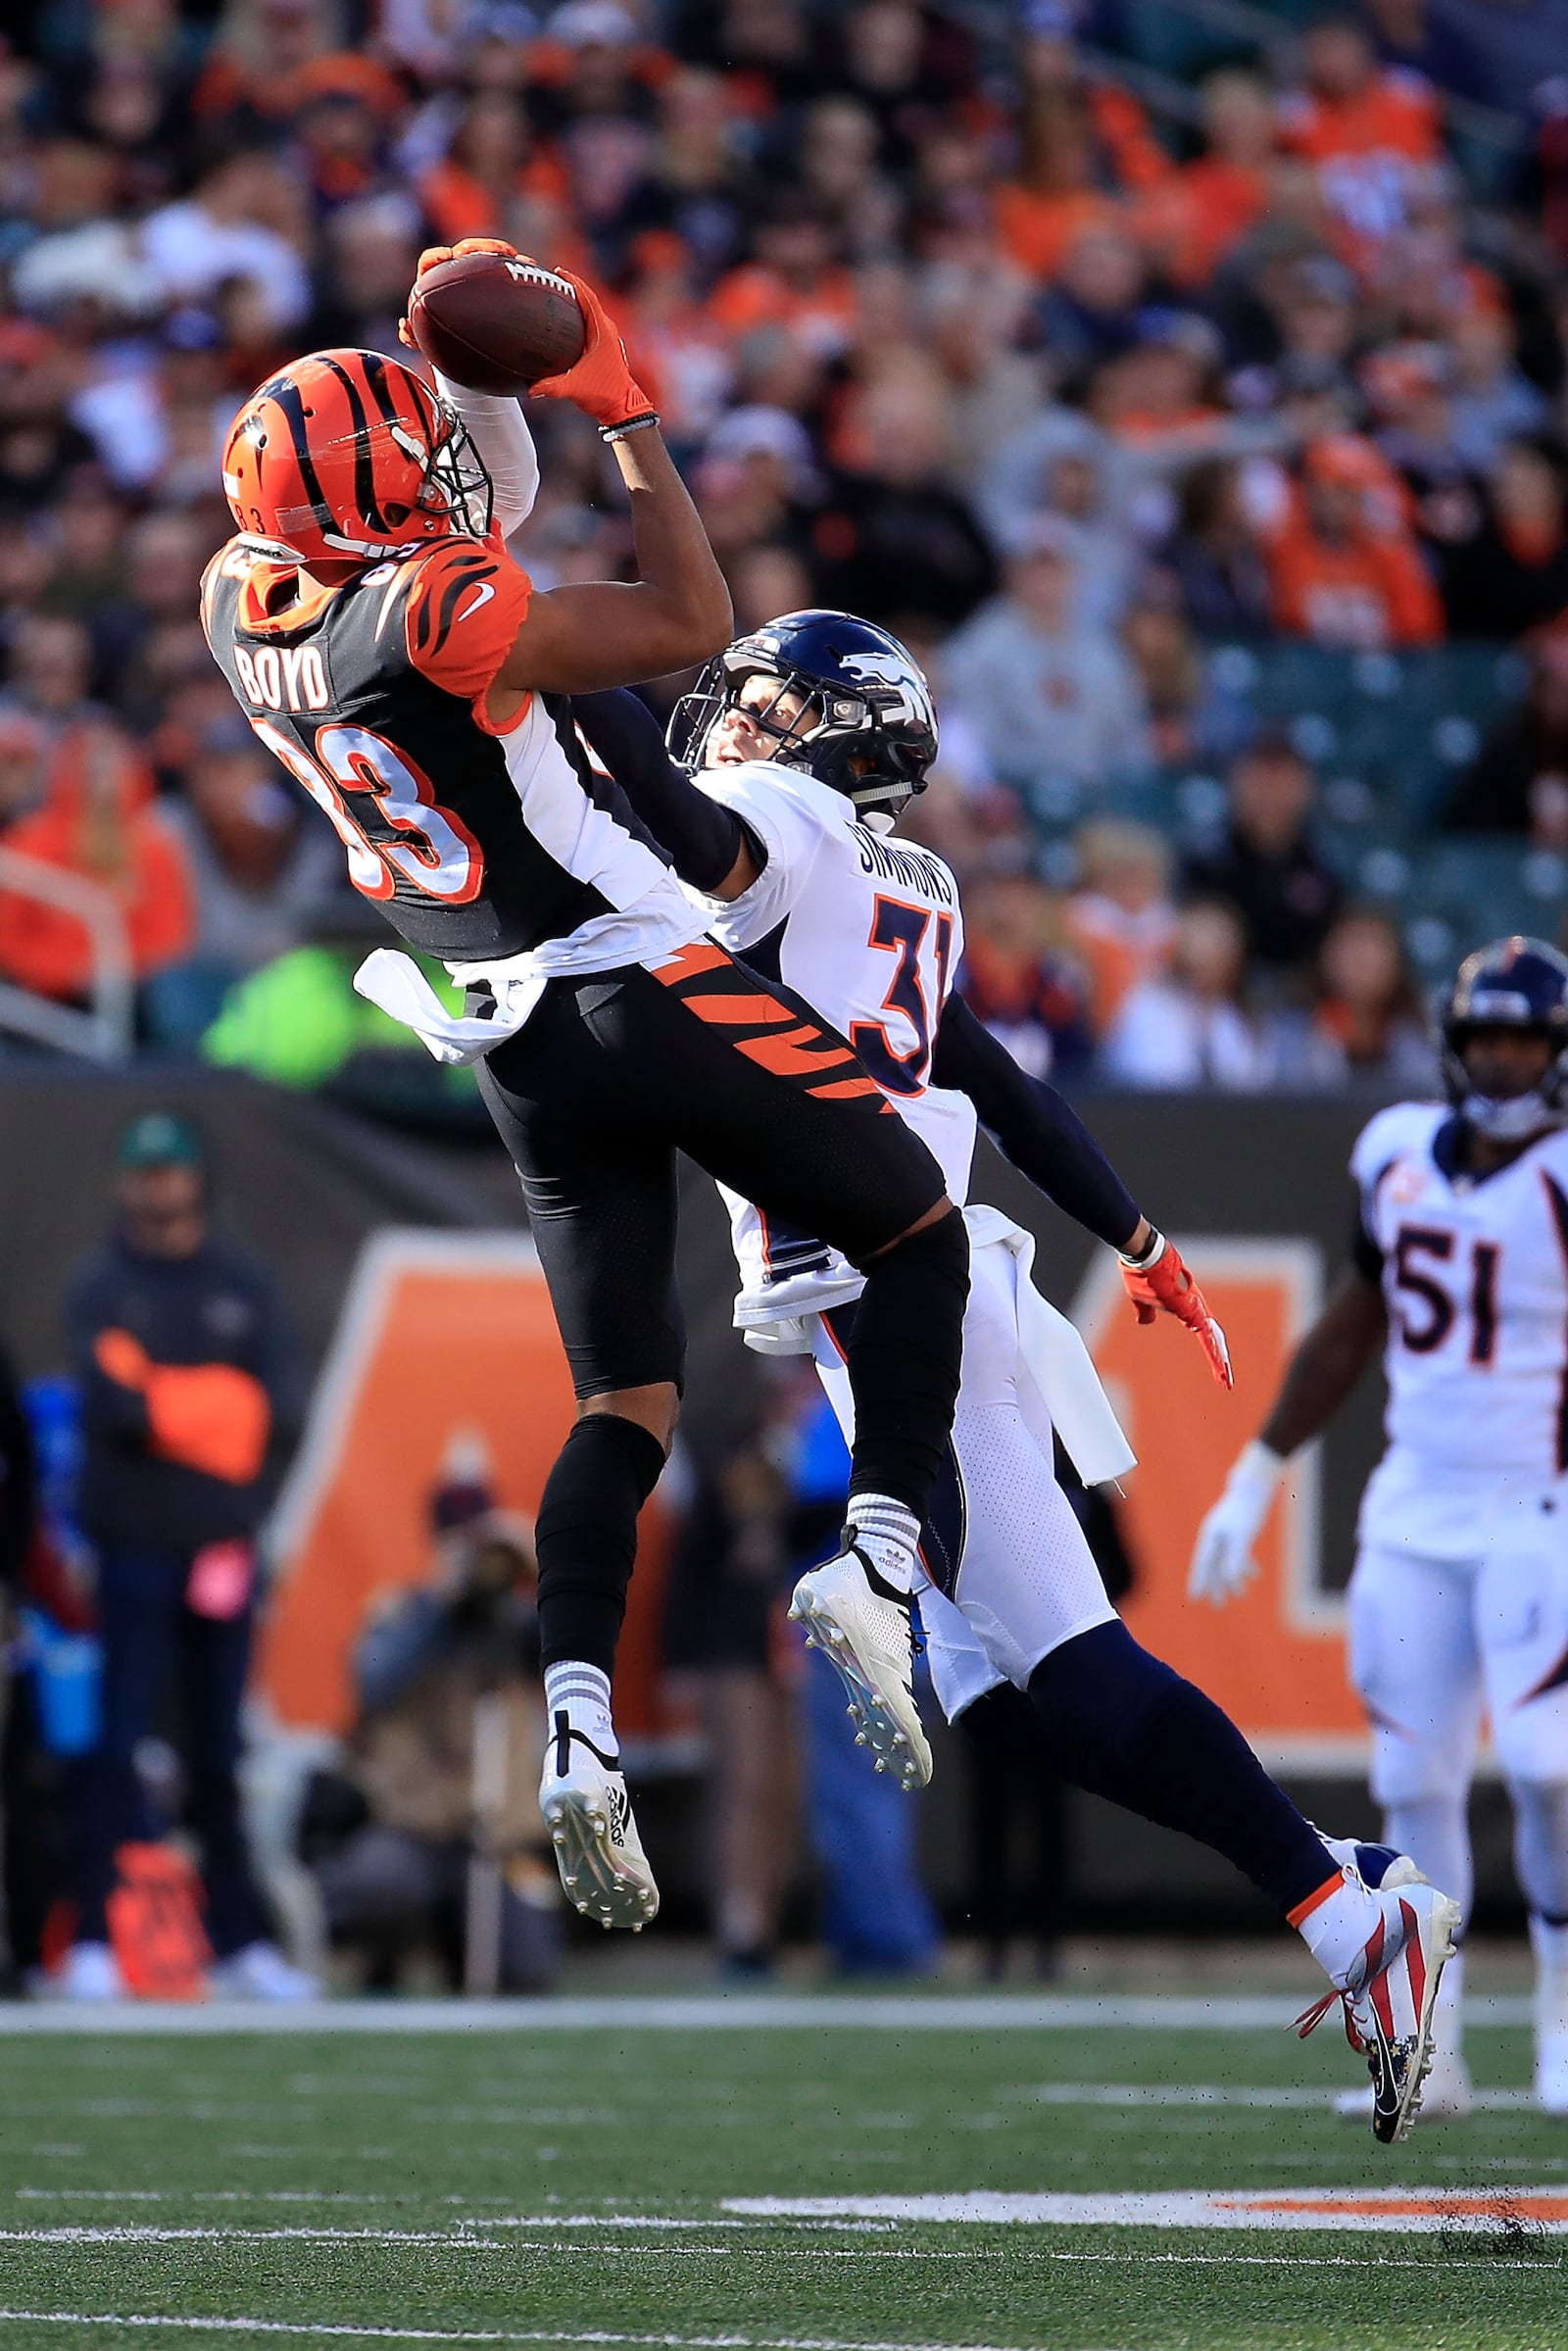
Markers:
1513,984
869,729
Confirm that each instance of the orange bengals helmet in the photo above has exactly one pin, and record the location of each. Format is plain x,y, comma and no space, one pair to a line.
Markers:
348,454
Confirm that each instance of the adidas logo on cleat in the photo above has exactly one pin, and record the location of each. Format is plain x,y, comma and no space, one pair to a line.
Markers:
619,1815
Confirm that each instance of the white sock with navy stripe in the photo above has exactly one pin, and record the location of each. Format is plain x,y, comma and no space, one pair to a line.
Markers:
581,1693
888,1534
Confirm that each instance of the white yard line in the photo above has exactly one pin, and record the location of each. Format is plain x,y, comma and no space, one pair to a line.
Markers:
744,2012
433,2334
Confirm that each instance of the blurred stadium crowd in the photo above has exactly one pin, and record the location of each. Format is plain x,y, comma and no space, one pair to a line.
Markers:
1186,385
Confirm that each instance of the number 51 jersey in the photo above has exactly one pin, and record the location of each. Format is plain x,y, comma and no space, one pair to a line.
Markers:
1474,1274
477,845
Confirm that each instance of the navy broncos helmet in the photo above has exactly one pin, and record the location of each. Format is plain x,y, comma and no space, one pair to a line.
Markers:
1514,983
873,730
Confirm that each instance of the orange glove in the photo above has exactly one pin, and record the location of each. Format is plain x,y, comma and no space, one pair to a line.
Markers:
1160,1284
434,254
602,382
208,1416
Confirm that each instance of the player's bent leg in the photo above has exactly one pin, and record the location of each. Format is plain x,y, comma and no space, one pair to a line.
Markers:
586,1540
1126,1725
601,1195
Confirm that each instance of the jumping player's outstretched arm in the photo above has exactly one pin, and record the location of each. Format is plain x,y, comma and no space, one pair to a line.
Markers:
708,846
1047,1141
1351,1330
576,639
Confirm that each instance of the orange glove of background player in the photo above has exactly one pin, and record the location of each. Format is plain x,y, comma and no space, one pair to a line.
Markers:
1162,1285
601,383
208,1416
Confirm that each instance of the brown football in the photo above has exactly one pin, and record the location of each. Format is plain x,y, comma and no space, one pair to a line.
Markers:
495,322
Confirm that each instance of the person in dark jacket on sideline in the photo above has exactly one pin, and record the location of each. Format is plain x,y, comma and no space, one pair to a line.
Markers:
190,1392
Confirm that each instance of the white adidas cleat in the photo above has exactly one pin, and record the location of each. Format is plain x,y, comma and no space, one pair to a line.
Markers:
599,1853
1389,2003
1552,2072
867,1636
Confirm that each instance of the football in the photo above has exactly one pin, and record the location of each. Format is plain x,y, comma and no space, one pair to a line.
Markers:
495,322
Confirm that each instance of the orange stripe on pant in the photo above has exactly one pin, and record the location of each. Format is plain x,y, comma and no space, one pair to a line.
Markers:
687,961
803,1053
741,1011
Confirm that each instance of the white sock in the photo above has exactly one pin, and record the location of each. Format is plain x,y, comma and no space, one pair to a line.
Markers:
581,1693
1550,1947
888,1534
1338,1928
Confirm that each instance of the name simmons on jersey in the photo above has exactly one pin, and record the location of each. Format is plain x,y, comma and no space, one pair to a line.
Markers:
869,932
1474,1275
477,843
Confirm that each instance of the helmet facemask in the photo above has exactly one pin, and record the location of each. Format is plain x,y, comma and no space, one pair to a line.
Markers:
456,480
836,736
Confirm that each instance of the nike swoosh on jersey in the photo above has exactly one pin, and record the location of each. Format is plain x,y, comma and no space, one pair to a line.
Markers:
482,596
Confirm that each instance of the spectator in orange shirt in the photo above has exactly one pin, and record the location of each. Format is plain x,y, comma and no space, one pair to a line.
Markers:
1191,219
796,281
1361,125
1345,568
1058,194
1121,918
95,823
493,160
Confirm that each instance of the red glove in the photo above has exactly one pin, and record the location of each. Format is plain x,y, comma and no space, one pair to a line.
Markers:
1161,1284
434,254
602,382
210,1416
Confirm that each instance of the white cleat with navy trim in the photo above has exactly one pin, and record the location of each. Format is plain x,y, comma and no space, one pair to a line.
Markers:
863,1628
588,1813
1390,1999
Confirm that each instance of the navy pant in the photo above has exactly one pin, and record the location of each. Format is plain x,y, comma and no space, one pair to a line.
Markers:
150,1640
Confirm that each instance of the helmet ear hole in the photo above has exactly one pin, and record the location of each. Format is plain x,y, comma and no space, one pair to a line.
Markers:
397,513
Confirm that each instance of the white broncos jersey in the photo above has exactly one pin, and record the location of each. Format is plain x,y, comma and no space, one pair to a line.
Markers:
869,932
1475,1278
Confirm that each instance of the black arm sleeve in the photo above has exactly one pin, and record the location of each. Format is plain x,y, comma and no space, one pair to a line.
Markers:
1033,1127
702,837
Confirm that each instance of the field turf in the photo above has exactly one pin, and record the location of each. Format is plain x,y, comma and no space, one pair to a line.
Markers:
464,2187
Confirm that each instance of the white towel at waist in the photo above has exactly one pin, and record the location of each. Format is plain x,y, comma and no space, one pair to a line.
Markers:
1052,1351
1050,1354
394,982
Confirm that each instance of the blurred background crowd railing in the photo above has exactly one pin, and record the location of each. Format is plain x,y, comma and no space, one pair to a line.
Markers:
1186,382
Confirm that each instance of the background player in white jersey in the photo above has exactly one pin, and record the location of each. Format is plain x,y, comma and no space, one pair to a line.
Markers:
808,738
1459,1598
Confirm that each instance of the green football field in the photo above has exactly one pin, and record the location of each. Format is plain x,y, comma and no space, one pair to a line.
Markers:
557,2182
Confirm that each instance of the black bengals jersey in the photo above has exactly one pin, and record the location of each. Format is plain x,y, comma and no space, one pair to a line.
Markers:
477,843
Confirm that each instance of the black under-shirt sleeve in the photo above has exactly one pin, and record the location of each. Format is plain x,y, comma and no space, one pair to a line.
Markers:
703,838
1045,1139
